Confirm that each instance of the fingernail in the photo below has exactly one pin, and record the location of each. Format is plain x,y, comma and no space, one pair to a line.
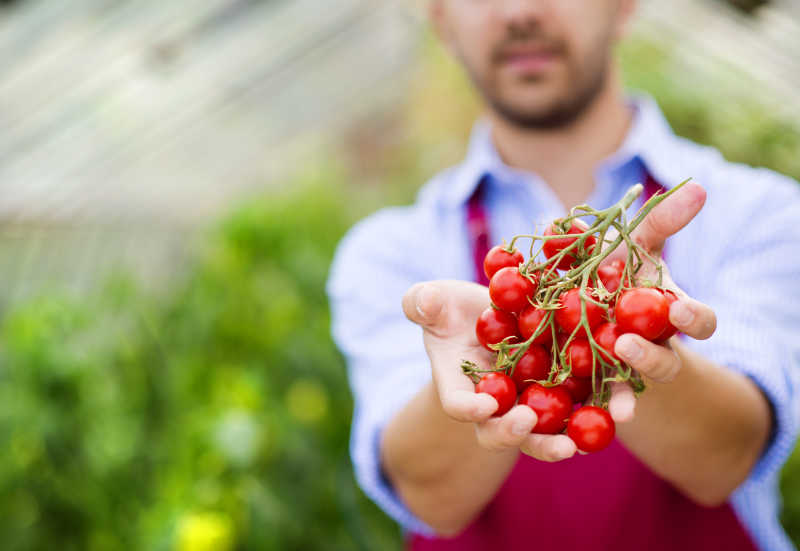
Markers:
629,349
423,296
681,313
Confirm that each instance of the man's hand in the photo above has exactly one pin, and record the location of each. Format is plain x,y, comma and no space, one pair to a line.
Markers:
446,311
660,363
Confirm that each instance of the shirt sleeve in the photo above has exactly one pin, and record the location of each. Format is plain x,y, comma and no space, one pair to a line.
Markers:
387,364
755,297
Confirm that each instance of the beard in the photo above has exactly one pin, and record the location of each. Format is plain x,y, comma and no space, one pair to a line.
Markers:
560,112
586,78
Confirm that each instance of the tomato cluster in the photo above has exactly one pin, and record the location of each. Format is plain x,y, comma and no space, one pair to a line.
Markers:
554,332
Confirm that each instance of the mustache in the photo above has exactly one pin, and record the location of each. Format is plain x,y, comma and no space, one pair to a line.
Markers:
527,39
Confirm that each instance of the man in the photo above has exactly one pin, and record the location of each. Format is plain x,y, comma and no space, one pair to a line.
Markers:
697,456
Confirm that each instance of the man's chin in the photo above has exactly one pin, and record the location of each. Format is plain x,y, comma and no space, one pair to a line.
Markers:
544,113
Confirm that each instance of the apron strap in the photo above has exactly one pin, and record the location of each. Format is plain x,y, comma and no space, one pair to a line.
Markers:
478,229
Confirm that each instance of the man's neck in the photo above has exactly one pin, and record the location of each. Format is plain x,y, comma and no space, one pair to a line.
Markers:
566,158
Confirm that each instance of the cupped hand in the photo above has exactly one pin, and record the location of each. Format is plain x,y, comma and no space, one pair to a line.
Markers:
447,311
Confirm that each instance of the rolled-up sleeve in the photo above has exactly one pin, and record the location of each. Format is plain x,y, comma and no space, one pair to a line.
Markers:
387,364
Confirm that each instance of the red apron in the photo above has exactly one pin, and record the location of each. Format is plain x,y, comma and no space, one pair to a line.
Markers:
603,501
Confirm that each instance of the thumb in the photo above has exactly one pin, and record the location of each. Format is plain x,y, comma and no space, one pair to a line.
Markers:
423,304
446,308
670,216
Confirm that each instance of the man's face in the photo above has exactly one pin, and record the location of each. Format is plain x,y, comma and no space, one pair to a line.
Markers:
538,63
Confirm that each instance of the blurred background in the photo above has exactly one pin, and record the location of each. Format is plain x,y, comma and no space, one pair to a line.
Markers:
174,177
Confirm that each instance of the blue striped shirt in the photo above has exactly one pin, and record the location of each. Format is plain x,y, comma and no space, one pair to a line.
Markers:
740,255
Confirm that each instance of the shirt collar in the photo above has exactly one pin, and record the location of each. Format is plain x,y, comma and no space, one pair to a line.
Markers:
650,141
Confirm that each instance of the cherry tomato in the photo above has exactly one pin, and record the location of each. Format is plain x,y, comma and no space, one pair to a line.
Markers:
552,405
671,329
611,276
568,316
579,357
591,428
534,364
552,247
495,325
499,257
501,388
510,290
606,336
578,388
529,320
644,311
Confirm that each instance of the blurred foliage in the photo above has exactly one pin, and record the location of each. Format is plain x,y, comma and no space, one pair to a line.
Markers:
212,420
216,416
715,108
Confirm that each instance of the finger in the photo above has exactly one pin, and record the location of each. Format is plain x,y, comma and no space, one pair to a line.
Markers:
456,390
467,405
549,447
622,403
670,216
508,431
693,318
657,362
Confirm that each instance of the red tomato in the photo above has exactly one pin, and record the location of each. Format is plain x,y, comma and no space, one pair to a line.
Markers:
611,276
671,329
579,357
501,388
644,311
606,336
568,316
591,428
499,257
534,364
495,325
552,247
552,405
578,388
510,290
529,320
